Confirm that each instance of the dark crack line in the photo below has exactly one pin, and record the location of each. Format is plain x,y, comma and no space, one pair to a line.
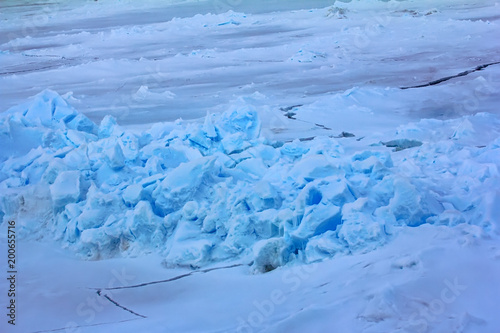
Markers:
81,326
43,56
30,70
290,108
342,135
121,306
167,280
432,83
323,127
309,122
291,115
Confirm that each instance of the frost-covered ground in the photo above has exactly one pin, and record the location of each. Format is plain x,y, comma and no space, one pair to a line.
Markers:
302,190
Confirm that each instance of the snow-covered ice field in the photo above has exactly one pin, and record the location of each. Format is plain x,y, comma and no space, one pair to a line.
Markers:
238,166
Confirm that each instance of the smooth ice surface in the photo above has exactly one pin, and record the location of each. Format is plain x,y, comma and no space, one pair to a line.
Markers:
429,279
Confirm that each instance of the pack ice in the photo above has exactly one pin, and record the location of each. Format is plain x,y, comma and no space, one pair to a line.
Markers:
220,191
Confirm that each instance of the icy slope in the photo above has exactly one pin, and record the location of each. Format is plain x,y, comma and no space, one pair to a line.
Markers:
219,191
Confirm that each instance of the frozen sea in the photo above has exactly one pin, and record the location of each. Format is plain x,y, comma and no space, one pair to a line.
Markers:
250,166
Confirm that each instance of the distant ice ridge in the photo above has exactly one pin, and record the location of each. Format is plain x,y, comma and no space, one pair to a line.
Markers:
219,191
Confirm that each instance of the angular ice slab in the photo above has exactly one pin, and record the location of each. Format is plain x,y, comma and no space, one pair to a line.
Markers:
218,190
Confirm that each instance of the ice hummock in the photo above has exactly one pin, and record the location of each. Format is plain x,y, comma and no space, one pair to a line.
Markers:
219,190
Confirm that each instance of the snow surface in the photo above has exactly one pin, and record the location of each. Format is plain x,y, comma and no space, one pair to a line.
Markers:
327,198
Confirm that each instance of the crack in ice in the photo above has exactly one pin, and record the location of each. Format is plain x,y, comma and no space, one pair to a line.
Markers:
81,326
167,280
120,306
464,73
